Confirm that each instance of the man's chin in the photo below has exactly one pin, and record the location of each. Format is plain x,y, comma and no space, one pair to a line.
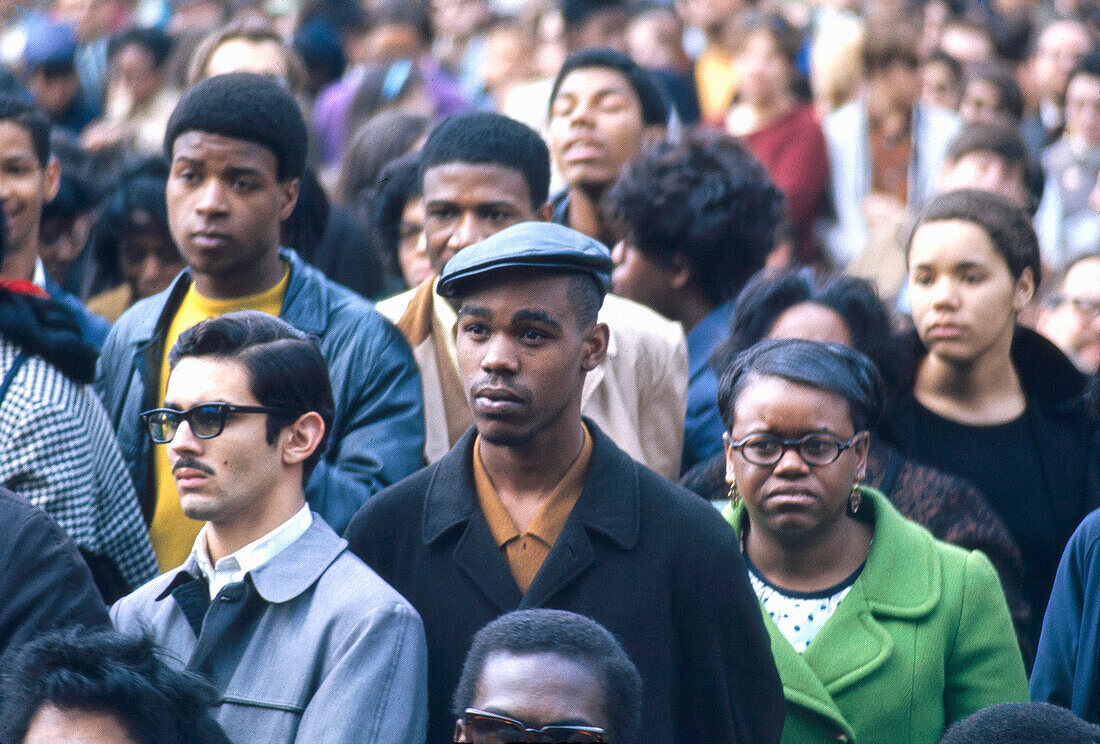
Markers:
500,436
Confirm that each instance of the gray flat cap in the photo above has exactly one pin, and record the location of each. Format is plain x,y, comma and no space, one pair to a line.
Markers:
536,245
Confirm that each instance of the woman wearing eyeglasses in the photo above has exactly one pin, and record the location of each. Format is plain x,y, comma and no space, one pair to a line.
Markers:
880,632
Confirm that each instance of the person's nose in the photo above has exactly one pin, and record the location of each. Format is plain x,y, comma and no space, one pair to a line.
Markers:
945,294
211,198
618,253
499,355
790,463
467,232
184,442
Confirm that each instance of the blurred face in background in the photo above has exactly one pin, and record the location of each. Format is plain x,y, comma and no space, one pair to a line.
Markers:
267,57
595,126
1071,319
1060,47
762,68
148,259
1082,110
136,71
939,86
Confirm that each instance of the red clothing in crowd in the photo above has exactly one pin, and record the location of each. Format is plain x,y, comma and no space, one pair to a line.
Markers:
792,150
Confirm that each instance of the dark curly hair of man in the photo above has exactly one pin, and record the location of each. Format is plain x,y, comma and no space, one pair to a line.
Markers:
704,198
103,671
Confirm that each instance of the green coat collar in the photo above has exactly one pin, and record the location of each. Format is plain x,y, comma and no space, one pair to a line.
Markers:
902,579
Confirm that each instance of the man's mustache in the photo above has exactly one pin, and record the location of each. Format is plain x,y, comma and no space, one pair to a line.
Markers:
190,462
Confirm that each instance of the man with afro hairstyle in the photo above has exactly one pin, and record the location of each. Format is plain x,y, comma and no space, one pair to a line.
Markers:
698,218
237,147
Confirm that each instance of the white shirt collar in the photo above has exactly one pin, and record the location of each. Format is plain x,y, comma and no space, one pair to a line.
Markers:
39,277
233,567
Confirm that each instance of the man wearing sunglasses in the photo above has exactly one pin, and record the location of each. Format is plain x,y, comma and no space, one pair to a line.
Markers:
237,146
594,694
536,506
303,642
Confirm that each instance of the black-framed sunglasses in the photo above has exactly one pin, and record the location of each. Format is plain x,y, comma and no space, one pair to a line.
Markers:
815,449
489,728
207,420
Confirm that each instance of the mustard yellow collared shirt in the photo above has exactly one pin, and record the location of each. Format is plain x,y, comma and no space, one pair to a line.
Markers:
525,552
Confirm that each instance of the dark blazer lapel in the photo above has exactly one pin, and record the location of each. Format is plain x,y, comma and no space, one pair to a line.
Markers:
571,555
479,557
608,504
451,503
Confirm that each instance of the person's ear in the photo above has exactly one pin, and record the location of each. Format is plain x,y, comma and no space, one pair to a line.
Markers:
595,346
731,475
51,179
682,272
1024,290
460,732
861,447
301,438
545,212
288,195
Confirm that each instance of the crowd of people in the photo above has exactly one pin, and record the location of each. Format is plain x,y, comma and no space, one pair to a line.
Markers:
598,371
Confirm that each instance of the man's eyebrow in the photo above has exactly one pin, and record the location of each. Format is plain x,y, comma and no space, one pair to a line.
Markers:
535,316
473,311
243,170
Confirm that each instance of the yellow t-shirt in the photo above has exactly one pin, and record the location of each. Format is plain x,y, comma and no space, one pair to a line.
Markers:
172,533
716,83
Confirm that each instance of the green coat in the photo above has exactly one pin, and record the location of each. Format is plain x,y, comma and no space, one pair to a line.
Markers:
922,640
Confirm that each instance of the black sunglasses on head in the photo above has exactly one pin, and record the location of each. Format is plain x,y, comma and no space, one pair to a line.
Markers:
207,420
489,728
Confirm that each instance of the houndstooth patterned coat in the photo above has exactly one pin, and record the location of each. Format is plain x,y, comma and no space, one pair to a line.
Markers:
58,451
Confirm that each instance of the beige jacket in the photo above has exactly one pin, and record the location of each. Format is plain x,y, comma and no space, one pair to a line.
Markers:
637,396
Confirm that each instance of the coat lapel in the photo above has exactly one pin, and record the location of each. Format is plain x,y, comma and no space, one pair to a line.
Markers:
571,555
850,646
609,505
451,504
481,560
801,685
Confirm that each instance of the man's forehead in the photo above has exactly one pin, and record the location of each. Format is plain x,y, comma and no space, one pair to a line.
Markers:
519,290
468,179
195,144
596,77
540,688
17,140
208,378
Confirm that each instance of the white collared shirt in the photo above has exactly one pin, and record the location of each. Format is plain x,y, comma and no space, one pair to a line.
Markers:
39,277
233,567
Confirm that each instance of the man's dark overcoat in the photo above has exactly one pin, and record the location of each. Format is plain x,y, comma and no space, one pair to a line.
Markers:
652,562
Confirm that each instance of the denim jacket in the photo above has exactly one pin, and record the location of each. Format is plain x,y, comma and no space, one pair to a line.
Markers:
378,431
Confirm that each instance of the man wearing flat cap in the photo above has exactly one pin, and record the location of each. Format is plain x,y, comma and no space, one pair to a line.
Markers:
536,507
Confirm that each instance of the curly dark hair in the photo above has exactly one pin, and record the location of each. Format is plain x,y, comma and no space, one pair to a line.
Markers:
105,671
704,198
769,294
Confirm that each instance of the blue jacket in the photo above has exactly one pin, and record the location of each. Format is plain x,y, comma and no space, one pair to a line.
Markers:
1067,663
378,432
93,329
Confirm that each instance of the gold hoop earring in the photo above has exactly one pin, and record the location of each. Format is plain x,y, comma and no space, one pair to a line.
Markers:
855,498
734,495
